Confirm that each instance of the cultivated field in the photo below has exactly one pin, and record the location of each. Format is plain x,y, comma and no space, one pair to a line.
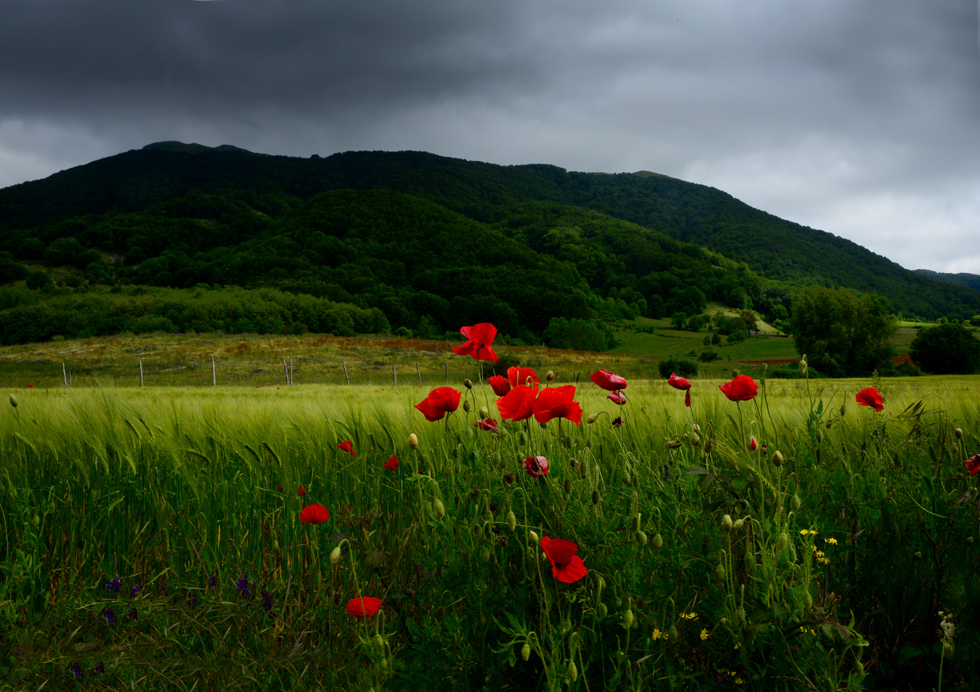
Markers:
153,538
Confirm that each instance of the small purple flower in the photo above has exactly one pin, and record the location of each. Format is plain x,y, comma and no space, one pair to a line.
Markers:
132,615
666,472
75,669
267,601
212,580
136,590
113,585
100,667
242,585
109,615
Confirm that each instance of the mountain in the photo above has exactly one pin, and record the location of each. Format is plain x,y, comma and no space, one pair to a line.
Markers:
430,240
968,280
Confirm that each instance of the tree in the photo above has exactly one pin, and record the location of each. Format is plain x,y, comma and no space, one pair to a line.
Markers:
946,349
841,334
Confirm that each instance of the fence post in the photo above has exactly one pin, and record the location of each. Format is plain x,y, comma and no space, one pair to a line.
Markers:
394,375
419,372
141,373
214,374
346,376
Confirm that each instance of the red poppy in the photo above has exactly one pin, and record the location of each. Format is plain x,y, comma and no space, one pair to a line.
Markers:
742,388
314,514
518,404
617,397
478,340
556,402
279,487
678,382
752,444
441,400
516,376
30,385
536,466
565,564
346,446
392,463
608,381
364,607
488,424
499,384
301,491
973,464
870,397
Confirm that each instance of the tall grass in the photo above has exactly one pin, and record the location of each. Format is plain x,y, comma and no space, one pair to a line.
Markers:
709,565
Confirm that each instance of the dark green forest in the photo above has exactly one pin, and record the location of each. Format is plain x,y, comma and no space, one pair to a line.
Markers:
406,241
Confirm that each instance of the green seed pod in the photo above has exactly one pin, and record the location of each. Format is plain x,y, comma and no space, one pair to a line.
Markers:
672,635
628,619
720,571
511,521
794,503
572,671
658,541
641,538
438,508
335,556
595,497
534,537
467,383
526,651
603,610
726,522
777,458
819,436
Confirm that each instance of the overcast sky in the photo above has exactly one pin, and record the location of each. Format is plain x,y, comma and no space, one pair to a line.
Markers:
857,117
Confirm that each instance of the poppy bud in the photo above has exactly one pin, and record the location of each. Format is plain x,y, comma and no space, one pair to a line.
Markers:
819,436
674,443
534,537
508,478
275,544
720,571
526,651
484,413
568,486
438,508
550,376
572,671
740,614
37,520
738,524
466,406
794,503
603,610
600,583
658,541
467,383
750,560
829,424
958,431
969,540
808,601
672,635
13,401
628,619
708,445
843,409
752,444
477,530
413,441
735,373
511,521
641,538
595,497
803,365
917,555
485,555
954,448
590,420
335,556
777,458
379,641
726,522
782,541
695,439
627,478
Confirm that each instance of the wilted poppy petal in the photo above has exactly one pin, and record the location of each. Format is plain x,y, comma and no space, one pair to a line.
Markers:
314,514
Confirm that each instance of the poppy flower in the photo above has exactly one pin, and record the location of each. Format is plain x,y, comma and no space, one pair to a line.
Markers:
556,402
752,444
678,382
364,607
536,466
499,384
608,381
742,388
392,463
279,487
518,404
301,491
346,446
441,400
973,464
565,564
516,376
617,397
314,514
478,340
870,397
488,424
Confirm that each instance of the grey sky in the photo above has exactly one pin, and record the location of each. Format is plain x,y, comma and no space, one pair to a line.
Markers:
858,117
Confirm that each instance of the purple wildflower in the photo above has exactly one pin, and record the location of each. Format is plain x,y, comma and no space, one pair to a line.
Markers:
100,667
113,585
132,615
136,590
75,669
267,601
109,615
242,585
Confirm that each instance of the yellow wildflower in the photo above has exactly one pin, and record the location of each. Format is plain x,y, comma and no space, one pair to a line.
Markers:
656,635
831,541
704,635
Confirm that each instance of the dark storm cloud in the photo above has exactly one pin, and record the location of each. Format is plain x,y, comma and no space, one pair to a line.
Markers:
856,116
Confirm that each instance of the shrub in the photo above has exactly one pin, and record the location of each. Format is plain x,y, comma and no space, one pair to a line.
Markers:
684,368
946,349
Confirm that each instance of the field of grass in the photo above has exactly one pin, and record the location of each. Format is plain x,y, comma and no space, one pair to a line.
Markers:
152,539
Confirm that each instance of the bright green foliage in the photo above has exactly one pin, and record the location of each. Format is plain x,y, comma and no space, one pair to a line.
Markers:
841,334
946,349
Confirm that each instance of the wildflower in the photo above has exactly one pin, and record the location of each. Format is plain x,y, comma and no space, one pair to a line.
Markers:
566,566
109,615
363,607
680,383
831,541
346,446
656,635
973,464
704,635
742,388
279,487
608,381
113,585
488,424
499,385
314,514
478,340
617,422
752,444
132,615
267,601
301,491
136,590
518,404
392,464
75,669
242,585
689,616
870,397
557,402
617,397
441,400
536,466
99,668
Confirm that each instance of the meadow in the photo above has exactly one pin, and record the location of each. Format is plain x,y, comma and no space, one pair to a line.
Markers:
153,538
